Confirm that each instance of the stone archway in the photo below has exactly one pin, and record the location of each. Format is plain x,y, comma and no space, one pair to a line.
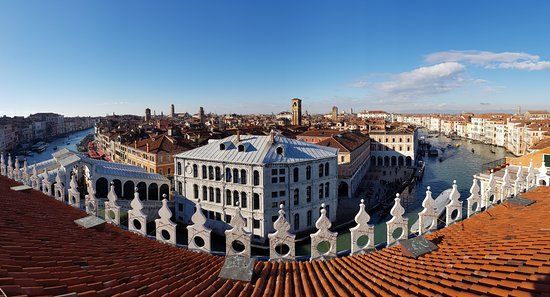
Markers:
128,190
408,161
393,161
343,189
386,161
380,161
164,189
101,187
142,190
118,187
400,161
153,192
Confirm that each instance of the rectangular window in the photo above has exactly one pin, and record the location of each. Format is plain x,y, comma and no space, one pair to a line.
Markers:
273,171
274,180
274,204
180,206
281,179
228,219
256,224
274,195
274,218
282,193
281,171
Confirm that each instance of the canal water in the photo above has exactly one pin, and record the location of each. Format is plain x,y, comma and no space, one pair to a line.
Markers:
70,141
458,163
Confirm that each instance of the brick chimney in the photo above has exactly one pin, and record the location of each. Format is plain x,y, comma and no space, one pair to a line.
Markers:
147,147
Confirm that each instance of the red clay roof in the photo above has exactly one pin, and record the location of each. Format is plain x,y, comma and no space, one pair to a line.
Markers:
504,251
346,141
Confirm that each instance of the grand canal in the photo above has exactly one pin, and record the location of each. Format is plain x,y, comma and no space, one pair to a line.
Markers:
70,141
459,163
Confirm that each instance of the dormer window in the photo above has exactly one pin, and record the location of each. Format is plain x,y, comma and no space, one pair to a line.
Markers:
279,150
222,146
240,148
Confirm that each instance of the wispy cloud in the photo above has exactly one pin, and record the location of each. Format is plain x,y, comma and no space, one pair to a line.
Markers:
491,60
420,82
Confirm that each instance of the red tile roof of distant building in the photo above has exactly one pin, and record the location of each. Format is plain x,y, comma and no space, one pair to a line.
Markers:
503,251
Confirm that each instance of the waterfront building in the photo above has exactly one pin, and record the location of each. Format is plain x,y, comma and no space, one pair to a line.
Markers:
257,174
395,146
537,115
353,159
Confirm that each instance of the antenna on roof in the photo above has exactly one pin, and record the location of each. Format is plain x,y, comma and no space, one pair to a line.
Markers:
238,135
272,136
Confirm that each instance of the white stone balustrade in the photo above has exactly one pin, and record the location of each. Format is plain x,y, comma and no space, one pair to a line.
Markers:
9,168
237,239
165,228
16,171
112,209
397,222
137,219
323,239
427,218
453,209
474,201
362,235
25,177
46,184
281,238
198,235
36,180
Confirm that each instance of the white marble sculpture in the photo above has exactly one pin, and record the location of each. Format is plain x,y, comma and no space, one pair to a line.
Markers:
198,235
237,234
323,236
165,228
137,219
397,221
453,209
112,209
363,230
281,237
427,218
474,201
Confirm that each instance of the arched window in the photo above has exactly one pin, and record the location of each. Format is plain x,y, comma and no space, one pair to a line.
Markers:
180,188
195,170
240,148
235,198
227,174
326,169
227,197
196,191
210,172
244,200
256,201
296,196
204,173
243,176
256,178
327,207
204,193
211,194
308,172
296,174
308,218
296,221
308,194
218,173
179,168
321,192
235,175
327,190
218,195
321,170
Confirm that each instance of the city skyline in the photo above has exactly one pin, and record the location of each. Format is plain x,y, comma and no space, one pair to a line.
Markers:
96,58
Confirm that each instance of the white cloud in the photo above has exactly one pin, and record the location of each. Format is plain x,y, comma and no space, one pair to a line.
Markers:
491,60
423,81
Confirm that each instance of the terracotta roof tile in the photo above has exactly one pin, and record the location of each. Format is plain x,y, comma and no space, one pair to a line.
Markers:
498,252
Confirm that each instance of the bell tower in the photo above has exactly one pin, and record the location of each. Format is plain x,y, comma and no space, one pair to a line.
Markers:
296,112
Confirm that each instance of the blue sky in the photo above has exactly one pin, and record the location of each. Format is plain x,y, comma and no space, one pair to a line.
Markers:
99,57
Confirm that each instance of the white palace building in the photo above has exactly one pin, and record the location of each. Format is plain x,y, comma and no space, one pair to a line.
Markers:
258,174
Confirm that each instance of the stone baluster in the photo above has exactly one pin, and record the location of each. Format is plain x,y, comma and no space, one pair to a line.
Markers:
10,168
16,171
112,209
46,185
137,219
281,238
198,235
237,237
59,188
519,182
474,201
165,228
396,222
2,165
91,201
506,187
490,192
323,236
427,218
530,176
543,174
74,194
453,209
362,235
36,180
25,177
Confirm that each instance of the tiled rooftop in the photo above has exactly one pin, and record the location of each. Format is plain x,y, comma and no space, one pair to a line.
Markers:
504,251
